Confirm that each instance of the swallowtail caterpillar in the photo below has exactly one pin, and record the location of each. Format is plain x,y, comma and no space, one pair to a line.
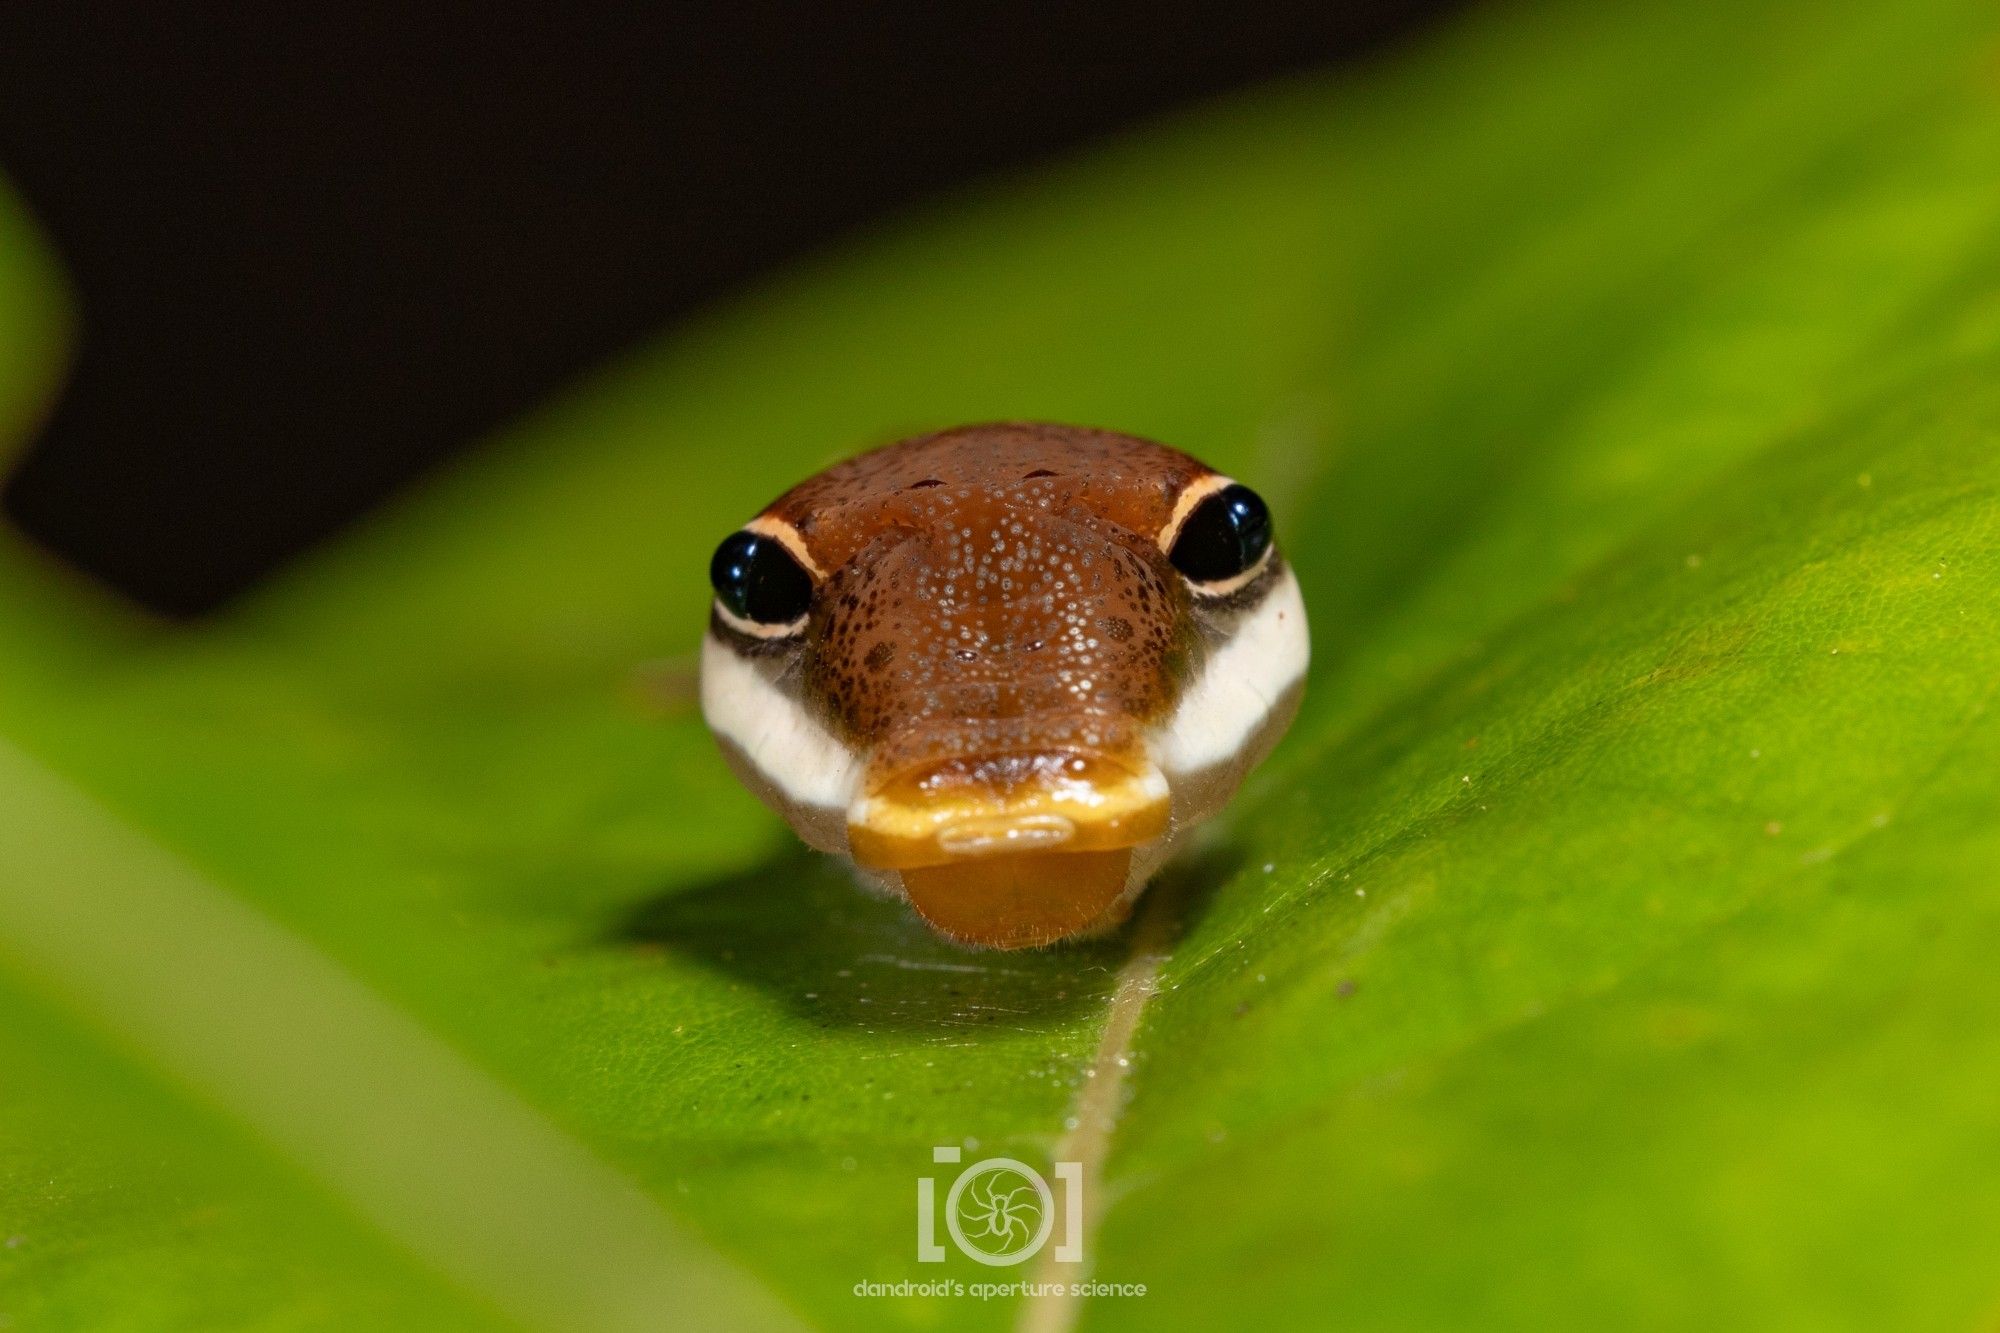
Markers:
1004,669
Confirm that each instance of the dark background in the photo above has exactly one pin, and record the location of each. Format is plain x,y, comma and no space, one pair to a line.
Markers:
319,247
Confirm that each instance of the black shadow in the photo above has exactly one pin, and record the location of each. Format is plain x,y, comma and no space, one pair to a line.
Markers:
800,928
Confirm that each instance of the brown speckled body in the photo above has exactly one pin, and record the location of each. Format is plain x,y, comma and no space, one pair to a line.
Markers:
1002,699
995,590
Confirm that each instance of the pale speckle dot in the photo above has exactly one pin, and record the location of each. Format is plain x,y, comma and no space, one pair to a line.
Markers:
1774,828
1694,560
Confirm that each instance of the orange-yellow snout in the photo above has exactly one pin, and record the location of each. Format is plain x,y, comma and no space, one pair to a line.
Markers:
1016,850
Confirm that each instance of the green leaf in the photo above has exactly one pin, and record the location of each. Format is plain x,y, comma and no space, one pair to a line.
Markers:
1608,946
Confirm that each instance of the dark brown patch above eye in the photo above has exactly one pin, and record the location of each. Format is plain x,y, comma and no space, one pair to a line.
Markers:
879,656
925,484
1038,472
1116,628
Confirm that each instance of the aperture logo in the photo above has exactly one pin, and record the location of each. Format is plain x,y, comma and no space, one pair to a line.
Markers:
1000,1211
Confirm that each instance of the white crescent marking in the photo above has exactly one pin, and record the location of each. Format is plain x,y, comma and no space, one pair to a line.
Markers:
1224,708
805,762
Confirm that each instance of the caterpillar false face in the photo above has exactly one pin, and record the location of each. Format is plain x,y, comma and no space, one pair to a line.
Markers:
1004,669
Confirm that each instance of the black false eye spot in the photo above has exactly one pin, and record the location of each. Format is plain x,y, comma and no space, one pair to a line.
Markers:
758,580
1227,533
